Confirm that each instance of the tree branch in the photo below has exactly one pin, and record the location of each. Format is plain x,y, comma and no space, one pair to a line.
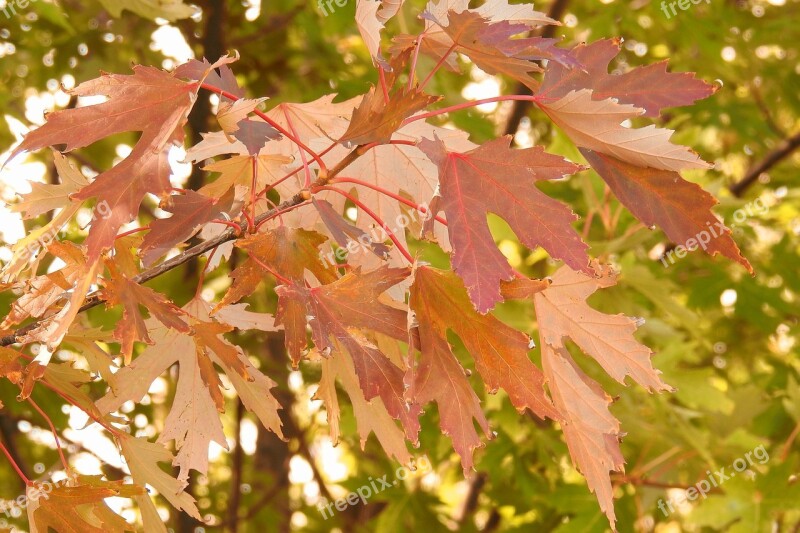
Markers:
773,158
94,299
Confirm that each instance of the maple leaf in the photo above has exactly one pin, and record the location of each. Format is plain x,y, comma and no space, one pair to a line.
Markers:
341,314
230,114
596,124
46,197
375,119
153,9
119,290
402,170
238,170
218,74
494,178
662,197
562,311
79,507
592,433
161,104
287,251
142,458
252,132
371,417
193,421
10,367
651,87
213,144
150,101
190,211
344,232
43,292
371,17
321,119
491,47
25,252
493,10
440,303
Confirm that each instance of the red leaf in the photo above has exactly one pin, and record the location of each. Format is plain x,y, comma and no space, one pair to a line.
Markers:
344,312
494,178
151,101
651,87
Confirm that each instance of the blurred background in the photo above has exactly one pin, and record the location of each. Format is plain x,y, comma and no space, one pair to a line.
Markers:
727,341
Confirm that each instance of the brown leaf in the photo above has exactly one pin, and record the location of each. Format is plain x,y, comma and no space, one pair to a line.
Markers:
342,314
119,290
287,251
591,431
661,197
344,232
79,508
190,211
45,197
150,101
441,303
375,119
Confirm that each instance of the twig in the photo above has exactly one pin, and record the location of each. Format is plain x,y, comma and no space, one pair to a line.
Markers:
773,158
94,299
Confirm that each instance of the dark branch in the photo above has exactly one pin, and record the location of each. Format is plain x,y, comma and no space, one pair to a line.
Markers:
773,158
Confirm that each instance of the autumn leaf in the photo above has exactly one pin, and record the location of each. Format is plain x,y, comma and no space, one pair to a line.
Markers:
45,197
402,170
217,74
661,197
150,101
80,507
287,251
343,313
376,119
119,290
230,114
495,178
44,292
491,47
371,417
10,367
440,303
320,119
238,170
592,433
651,87
371,17
153,9
190,210
26,251
213,144
597,125
562,312
193,421
142,458
493,10
344,232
